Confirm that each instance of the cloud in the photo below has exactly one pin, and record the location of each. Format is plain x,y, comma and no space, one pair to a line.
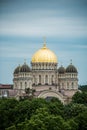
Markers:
49,26
81,46
15,51
60,19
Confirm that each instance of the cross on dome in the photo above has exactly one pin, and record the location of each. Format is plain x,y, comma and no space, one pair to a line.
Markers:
71,61
44,45
24,61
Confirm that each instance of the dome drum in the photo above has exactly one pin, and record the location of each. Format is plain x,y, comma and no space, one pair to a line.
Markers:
44,66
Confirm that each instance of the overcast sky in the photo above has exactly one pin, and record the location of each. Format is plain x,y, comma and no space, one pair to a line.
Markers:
24,23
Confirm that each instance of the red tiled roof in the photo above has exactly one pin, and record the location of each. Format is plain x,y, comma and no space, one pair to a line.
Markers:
6,86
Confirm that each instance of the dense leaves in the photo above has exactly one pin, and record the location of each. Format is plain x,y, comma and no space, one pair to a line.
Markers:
73,109
41,114
83,88
80,97
81,120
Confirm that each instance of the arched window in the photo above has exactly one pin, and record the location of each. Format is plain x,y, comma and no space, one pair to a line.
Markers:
52,79
67,85
62,85
15,85
33,79
30,86
25,84
39,79
20,85
46,79
72,85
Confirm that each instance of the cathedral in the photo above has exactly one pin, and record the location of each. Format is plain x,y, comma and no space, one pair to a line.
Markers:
45,77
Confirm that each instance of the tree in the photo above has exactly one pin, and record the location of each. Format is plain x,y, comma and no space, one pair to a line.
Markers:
73,109
73,124
11,128
56,107
80,97
83,88
56,123
81,119
42,119
22,111
39,114
35,124
7,112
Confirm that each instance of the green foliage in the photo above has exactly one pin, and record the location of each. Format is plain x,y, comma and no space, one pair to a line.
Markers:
7,107
73,124
37,103
11,128
36,125
55,123
42,120
6,104
39,114
72,110
80,97
81,119
83,88
22,111
21,126
56,107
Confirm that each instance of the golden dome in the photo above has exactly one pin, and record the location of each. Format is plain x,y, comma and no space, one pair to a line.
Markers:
44,55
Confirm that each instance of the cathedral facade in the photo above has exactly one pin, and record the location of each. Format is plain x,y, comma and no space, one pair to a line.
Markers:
45,77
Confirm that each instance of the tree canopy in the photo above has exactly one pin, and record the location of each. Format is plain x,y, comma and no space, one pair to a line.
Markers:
40,114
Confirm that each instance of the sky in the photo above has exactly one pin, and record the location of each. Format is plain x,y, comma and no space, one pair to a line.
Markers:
24,23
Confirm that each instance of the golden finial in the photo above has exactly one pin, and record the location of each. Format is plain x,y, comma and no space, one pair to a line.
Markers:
44,42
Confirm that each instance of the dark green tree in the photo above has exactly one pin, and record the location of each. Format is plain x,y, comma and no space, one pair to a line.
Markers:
11,128
81,119
73,109
56,107
7,113
83,88
44,120
80,97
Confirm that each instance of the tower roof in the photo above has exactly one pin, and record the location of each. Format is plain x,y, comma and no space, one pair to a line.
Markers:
71,69
25,68
61,70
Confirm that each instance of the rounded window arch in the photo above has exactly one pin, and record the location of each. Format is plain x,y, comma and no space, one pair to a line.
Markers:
25,84
15,85
20,85
46,79
34,79
62,85
52,79
67,85
72,85
39,79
